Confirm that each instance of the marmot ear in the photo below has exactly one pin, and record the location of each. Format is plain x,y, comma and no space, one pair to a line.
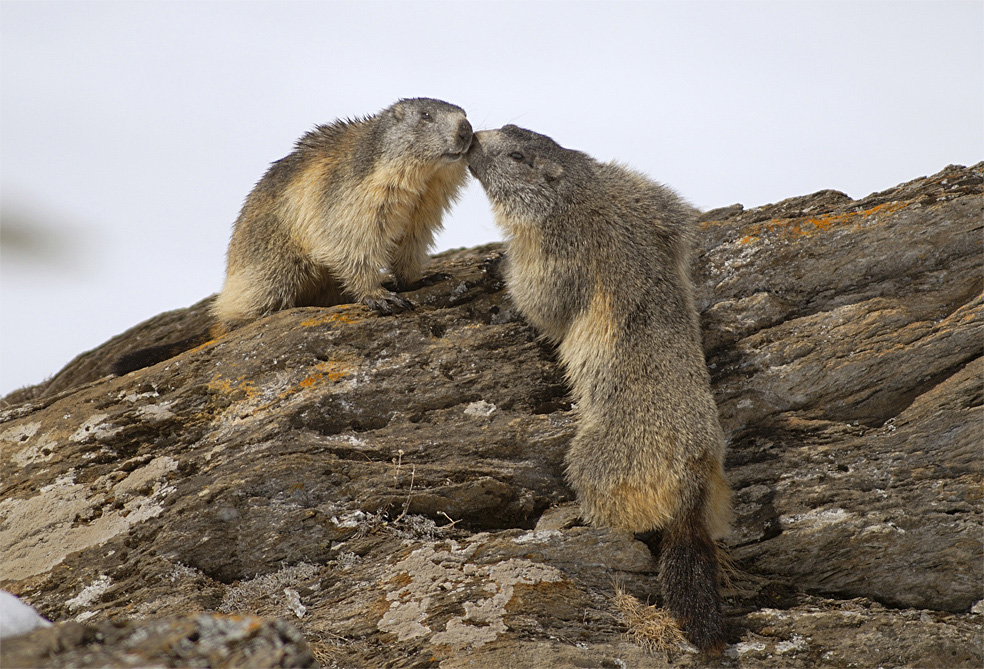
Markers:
398,112
551,171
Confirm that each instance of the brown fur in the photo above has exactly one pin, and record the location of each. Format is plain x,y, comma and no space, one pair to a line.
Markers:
352,199
599,262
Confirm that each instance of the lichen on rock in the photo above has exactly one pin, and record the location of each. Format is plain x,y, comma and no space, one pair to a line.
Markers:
381,490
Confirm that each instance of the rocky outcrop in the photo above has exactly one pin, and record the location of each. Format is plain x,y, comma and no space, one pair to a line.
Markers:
393,486
191,641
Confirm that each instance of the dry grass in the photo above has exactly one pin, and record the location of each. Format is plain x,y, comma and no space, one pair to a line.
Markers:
325,653
733,580
651,627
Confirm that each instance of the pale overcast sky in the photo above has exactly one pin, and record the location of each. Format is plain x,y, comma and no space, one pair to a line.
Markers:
131,132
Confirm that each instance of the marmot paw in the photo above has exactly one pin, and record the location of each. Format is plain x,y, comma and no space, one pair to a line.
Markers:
388,303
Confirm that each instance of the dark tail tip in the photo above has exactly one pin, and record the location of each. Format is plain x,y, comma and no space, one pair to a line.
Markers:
688,576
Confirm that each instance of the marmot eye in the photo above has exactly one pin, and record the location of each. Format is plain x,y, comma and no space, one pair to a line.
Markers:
516,155
426,116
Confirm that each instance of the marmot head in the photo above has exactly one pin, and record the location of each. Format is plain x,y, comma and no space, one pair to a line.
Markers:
431,130
526,175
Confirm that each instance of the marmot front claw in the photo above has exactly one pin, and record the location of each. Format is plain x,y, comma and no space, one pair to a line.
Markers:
388,304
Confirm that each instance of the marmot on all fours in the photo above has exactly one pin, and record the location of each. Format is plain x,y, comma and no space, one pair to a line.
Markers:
353,197
599,262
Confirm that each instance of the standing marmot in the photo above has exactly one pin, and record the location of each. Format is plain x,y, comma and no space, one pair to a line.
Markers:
599,261
353,197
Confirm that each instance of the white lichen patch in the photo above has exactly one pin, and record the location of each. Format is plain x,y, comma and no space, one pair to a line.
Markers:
293,602
480,408
64,517
538,537
745,647
350,519
146,477
66,480
182,572
18,434
37,450
440,571
95,429
346,439
155,413
883,528
277,588
483,620
24,449
385,364
406,619
796,643
814,519
770,614
135,397
90,593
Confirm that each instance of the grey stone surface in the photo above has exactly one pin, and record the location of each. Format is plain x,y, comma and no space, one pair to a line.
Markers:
393,486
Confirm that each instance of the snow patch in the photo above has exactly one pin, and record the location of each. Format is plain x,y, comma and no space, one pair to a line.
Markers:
16,617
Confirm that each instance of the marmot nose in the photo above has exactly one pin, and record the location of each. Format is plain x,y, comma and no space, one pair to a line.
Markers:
464,134
476,144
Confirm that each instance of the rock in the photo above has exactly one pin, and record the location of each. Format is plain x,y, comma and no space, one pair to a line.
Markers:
393,486
189,641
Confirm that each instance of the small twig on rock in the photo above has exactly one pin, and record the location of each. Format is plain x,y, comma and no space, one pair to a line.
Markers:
451,523
406,505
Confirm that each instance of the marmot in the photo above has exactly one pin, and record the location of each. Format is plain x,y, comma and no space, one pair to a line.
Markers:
354,197
599,262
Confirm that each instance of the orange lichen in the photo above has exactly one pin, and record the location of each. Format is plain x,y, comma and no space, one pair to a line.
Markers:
400,580
335,317
801,227
331,370
247,389
239,390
